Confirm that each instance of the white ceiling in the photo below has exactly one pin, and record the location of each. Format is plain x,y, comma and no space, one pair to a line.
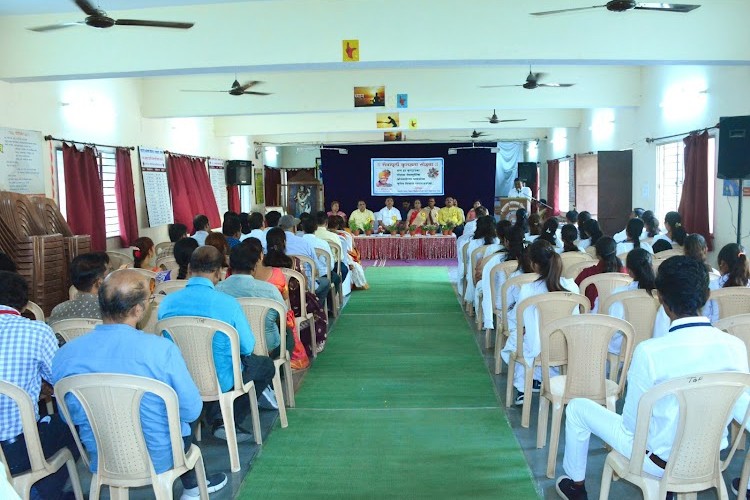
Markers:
437,51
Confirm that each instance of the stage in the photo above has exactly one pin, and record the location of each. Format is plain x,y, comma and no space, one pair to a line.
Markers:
418,247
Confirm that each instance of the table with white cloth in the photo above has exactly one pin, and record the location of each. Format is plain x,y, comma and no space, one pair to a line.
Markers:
407,247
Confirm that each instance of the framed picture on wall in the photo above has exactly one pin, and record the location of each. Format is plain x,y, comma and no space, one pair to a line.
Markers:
319,170
300,197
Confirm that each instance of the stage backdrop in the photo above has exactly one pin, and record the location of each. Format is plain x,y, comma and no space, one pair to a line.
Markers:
469,174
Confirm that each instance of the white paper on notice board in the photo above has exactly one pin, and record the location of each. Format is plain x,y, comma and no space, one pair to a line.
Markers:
21,162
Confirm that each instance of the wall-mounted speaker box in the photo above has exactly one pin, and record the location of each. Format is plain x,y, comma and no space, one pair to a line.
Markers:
734,147
238,172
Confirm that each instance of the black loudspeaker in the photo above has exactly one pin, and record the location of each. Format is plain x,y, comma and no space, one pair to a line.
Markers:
734,147
527,172
238,172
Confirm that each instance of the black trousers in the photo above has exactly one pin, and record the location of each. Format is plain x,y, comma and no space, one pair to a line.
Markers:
54,435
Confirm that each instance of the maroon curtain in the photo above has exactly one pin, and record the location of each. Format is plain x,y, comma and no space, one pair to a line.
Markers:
694,200
124,192
191,190
233,196
553,185
84,196
272,181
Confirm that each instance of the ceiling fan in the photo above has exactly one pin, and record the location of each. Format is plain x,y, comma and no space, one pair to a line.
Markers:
623,5
474,135
494,119
237,89
97,18
532,82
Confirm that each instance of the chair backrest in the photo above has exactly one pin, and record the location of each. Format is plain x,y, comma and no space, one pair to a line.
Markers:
315,273
327,258
591,250
552,306
167,261
569,258
640,311
518,281
605,283
506,268
586,353
739,326
165,248
301,279
194,337
73,292
167,287
732,301
694,460
623,256
119,259
465,262
35,310
28,423
572,271
472,263
665,254
70,329
112,403
256,309
145,272
337,252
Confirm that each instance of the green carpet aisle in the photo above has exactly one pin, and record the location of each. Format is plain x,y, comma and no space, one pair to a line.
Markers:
398,406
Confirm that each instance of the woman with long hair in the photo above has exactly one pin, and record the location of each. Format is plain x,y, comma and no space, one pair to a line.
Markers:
569,235
734,270
593,231
651,224
143,254
472,214
675,234
522,219
183,250
535,227
606,253
277,257
547,263
549,233
633,232
485,235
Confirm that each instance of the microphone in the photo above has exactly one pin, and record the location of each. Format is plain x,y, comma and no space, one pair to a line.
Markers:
541,203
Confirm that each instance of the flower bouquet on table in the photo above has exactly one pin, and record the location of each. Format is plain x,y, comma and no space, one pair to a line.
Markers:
413,230
367,228
448,228
392,229
353,228
430,229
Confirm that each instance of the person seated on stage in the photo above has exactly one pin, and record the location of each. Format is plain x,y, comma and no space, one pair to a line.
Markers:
606,252
362,216
569,236
388,215
453,215
7,264
144,252
310,227
472,214
431,212
256,228
232,230
519,190
633,233
547,263
201,228
335,210
405,208
121,348
691,346
87,271
637,213
183,250
416,216
675,233
297,245
27,350
272,219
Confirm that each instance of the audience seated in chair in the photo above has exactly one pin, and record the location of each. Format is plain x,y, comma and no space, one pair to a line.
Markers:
27,350
232,229
256,226
87,271
201,228
675,234
183,250
121,348
200,298
691,346
633,233
606,252
297,245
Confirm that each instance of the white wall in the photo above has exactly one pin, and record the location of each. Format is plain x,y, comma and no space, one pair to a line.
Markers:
107,112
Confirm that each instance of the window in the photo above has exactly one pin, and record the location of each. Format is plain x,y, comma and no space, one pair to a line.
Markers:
564,170
106,161
671,176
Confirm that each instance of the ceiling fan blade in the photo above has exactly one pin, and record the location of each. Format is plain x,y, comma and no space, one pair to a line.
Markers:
559,85
256,93
249,84
154,24
86,6
497,86
222,91
548,12
479,121
52,27
668,7
516,120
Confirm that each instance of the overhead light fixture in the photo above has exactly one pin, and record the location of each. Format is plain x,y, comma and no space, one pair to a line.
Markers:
452,151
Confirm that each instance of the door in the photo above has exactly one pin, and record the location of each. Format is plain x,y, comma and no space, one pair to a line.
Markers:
615,189
587,184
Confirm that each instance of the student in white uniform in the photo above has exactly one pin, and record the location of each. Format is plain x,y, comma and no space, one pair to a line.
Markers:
549,233
734,270
650,225
512,242
633,233
485,235
546,262
637,213
569,236
691,346
675,234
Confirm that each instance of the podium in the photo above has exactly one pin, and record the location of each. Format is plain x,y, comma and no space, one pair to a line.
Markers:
506,208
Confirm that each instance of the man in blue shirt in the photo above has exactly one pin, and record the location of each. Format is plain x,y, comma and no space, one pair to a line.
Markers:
120,348
200,298
297,245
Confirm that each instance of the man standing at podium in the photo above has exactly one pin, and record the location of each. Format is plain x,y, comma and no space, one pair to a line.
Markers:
519,190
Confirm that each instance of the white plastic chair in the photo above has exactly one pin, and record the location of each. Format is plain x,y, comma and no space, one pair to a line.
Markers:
694,463
194,337
304,317
571,271
165,248
111,403
36,311
167,261
70,329
146,272
501,316
256,309
333,293
73,292
315,273
571,258
605,283
505,268
167,287
581,346
732,301
119,259
40,467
